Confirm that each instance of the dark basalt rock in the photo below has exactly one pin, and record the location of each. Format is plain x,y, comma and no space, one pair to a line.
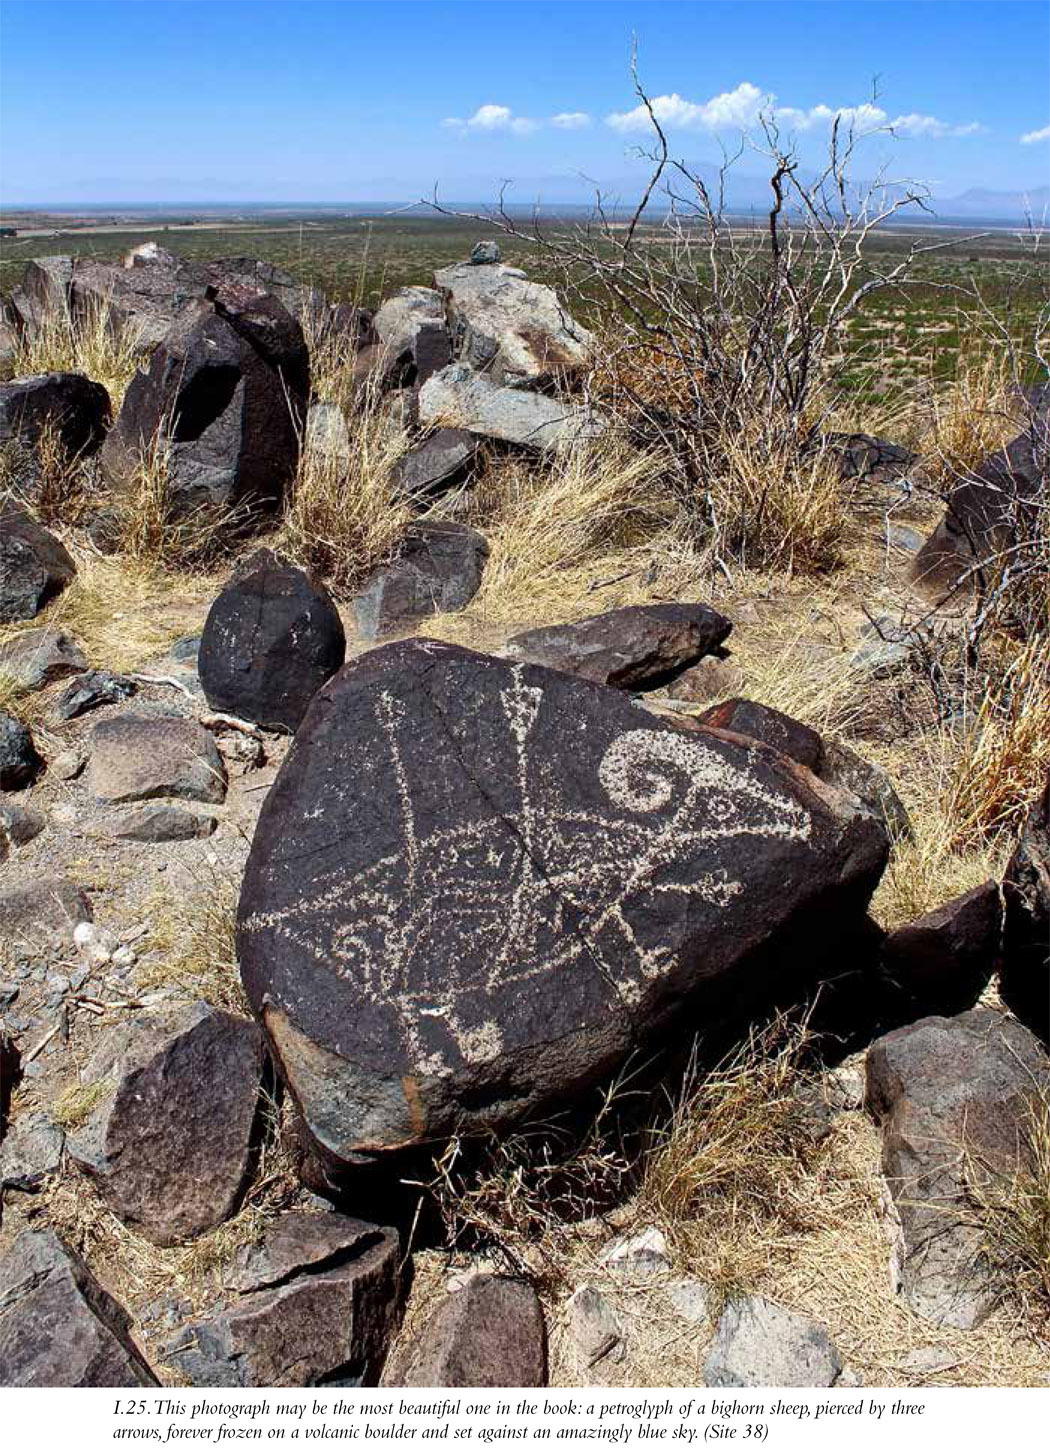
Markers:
92,690
944,959
441,460
1024,980
19,761
631,647
169,1147
225,392
137,757
320,1305
741,715
272,637
490,1332
985,512
438,569
58,1326
34,565
954,1097
41,656
73,406
476,885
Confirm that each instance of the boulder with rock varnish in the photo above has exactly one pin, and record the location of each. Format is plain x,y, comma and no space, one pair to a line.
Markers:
34,565
1024,980
490,1332
71,407
272,637
475,886
170,1142
58,1326
514,331
741,715
135,757
318,1306
441,460
438,568
954,1097
459,396
631,647
19,761
224,400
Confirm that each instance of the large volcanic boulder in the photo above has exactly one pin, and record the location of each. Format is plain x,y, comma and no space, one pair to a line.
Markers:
1024,979
34,565
272,637
514,331
476,885
224,398
74,407
631,647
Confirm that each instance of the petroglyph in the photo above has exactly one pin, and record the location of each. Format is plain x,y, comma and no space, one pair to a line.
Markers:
462,915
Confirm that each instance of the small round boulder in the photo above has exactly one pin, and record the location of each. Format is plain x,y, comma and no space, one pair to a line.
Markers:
272,638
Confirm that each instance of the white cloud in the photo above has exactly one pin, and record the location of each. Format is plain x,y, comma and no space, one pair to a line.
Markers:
738,108
492,118
1042,135
571,120
741,108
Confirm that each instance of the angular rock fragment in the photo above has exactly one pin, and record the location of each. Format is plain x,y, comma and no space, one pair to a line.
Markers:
438,569
169,1143
31,1152
593,1326
34,565
136,757
40,657
759,1344
441,460
1024,980
741,715
631,647
945,958
515,331
476,885
954,1097
19,761
490,1332
19,824
459,397
155,824
272,637
412,331
58,1326
319,1306
92,690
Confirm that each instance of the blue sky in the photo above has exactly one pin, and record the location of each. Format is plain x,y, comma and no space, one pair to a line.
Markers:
299,100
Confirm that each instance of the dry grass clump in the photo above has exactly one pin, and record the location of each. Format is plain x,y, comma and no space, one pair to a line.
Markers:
192,944
771,507
741,1167
968,418
1003,751
92,343
72,1106
1014,1210
340,518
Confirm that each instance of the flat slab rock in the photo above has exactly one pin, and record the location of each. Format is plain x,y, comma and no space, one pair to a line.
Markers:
457,396
442,459
759,1344
631,647
58,1326
169,1145
319,1306
476,885
153,823
490,1332
135,757
953,1096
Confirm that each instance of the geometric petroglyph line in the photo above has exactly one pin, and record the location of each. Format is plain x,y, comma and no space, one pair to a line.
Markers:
434,929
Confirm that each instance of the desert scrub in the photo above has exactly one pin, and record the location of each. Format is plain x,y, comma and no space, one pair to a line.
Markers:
90,343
